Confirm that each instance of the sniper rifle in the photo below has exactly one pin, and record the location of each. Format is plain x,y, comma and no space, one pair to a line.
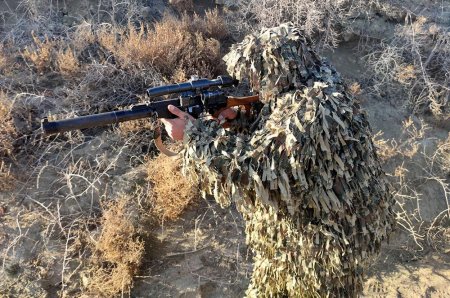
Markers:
196,96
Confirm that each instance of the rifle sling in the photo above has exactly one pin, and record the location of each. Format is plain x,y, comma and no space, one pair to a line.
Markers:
160,145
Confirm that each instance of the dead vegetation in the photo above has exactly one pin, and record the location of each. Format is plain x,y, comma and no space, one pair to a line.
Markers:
6,178
417,60
7,137
41,55
416,164
3,59
172,192
118,251
322,21
7,129
190,43
99,66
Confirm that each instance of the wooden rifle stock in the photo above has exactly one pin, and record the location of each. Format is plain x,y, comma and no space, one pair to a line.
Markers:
241,101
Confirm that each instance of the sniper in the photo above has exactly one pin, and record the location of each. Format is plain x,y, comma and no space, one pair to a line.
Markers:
303,170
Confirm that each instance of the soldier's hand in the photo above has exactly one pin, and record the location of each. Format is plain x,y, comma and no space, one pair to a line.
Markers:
175,127
227,114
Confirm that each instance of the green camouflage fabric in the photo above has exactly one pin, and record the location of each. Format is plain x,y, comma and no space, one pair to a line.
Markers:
305,174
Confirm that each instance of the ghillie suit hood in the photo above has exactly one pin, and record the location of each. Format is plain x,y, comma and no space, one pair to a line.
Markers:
274,62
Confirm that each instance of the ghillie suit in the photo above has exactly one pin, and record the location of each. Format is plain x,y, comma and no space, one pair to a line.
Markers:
305,174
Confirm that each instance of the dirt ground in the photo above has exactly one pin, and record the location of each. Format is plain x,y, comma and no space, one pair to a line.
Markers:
203,253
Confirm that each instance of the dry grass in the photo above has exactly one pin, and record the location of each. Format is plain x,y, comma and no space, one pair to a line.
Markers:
212,25
319,20
7,129
442,156
355,89
172,192
405,74
386,149
119,234
127,129
41,54
416,61
118,252
67,62
97,67
7,137
3,58
6,178
184,46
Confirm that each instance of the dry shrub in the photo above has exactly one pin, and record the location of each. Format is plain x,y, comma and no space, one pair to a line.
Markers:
405,74
126,129
56,55
118,251
83,37
6,178
442,156
212,25
173,45
119,234
409,147
7,130
8,135
41,54
320,20
97,67
138,134
355,89
109,282
416,60
3,58
386,149
67,62
172,191
416,163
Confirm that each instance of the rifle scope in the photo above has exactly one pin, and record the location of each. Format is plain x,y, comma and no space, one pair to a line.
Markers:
192,85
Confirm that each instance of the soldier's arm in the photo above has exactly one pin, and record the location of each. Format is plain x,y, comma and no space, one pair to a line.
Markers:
212,153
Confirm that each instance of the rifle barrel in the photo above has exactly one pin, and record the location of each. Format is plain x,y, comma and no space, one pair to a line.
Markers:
89,121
